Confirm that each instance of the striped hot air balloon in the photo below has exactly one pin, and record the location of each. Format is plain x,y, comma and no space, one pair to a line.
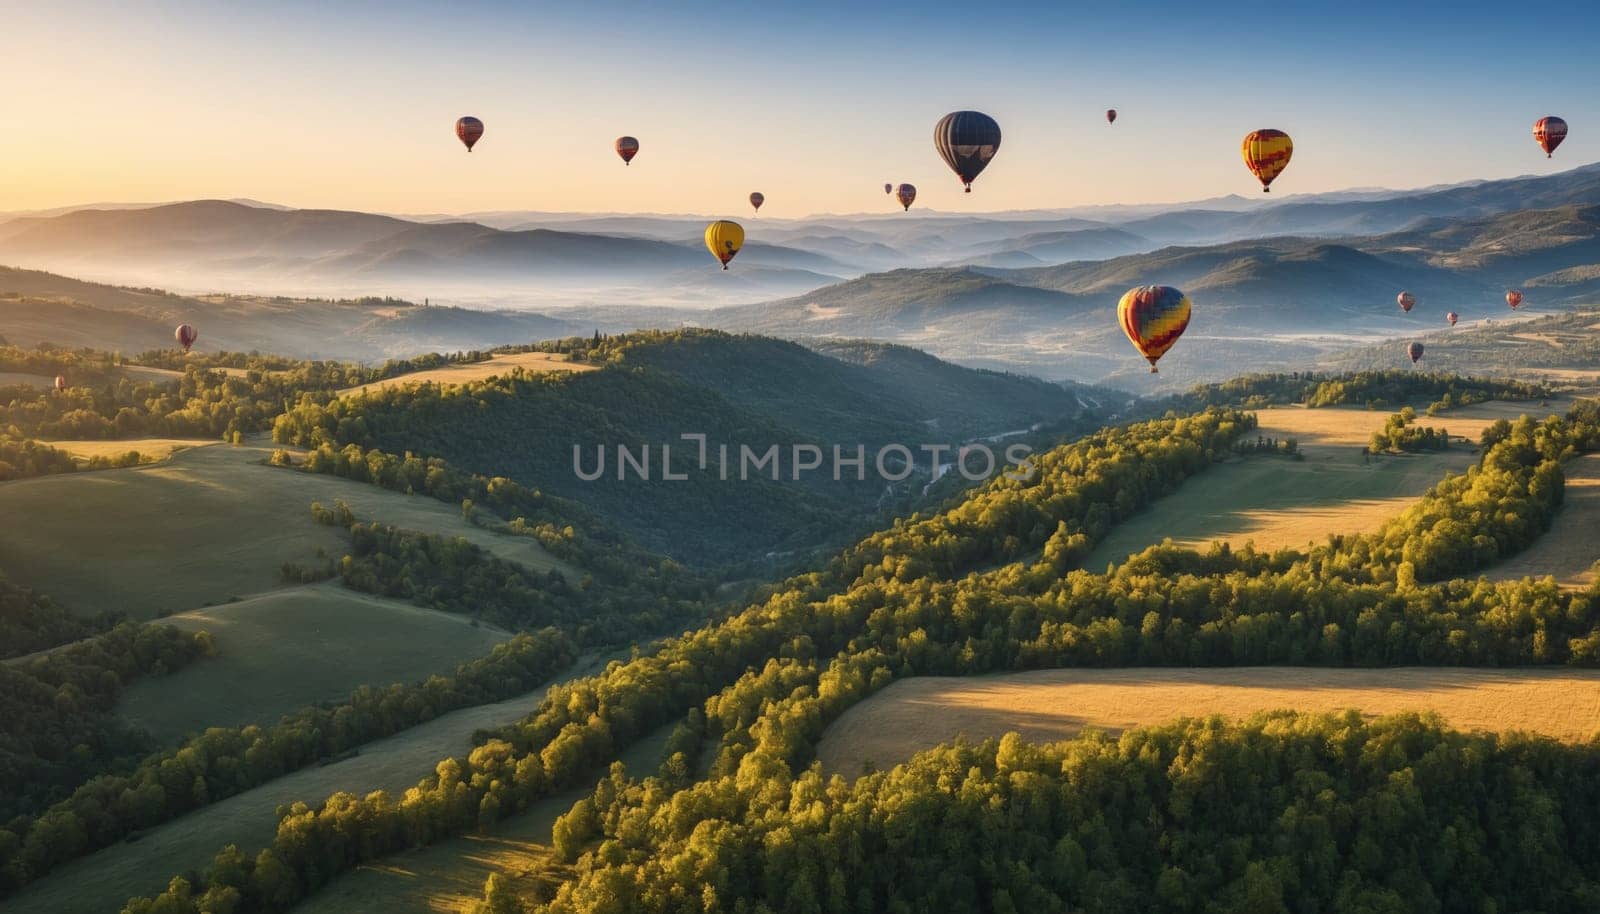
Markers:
469,130
1514,299
185,335
1549,132
1407,301
907,195
724,239
1415,351
1266,154
1153,317
967,141
627,147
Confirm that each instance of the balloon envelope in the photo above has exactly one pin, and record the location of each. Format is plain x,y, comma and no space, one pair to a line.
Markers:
627,147
1111,115
185,335
724,239
967,141
1153,317
61,382
1514,299
1549,132
757,198
1452,317
888,188
906,194
1266,153
1407,301
1415,351
469,130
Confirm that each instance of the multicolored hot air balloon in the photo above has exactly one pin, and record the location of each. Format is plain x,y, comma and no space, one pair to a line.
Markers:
1266,154
1514,299
967,141
724,239
1415,351
1111,115
1407,301
1452,317
1153,317
185,335
907,195
627,147
888,188
1549,132
756,199
469,130
61,383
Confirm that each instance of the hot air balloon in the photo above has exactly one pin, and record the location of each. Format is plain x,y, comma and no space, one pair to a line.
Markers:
61,383
1514,299
1153,317
469,129
1452,317
907,195
185,335
1415,351
724,239
1407,301
1549,132
888,188
756,199
967,140
1111,115
627,147
1266,154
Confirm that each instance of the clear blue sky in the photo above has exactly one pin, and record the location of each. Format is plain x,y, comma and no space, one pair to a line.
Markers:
817,105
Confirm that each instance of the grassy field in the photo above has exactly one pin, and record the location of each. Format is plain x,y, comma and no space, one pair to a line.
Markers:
12,378
916,714
332,639
104,880
448,877
477,371
1570,548
149,448
1277,502
207,526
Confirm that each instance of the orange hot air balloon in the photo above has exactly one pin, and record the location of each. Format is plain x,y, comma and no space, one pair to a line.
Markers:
1266,153
1548,132
1111,115
185,335
1514,299
1407,301
469,130
1153,317
627,147
907,195
756,199
61,383
1452,317
1415,351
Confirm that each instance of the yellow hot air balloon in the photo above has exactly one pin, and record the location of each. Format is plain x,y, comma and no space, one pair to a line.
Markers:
1266,154
1153,317
724,239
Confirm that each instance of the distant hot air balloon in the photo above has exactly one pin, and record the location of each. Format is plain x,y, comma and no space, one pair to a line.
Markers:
1266,154
888,188
468,130
1407,301
1111,115
756,199
185,335
1153,317
627,147
907,195
1514,299
1549,132
61,383
1452,317
724,239
1415,351
967,140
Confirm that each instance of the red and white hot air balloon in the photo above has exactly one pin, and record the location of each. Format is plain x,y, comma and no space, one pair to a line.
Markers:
1452,317
1407,301
1514,299
627,147
1548,132
469,130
